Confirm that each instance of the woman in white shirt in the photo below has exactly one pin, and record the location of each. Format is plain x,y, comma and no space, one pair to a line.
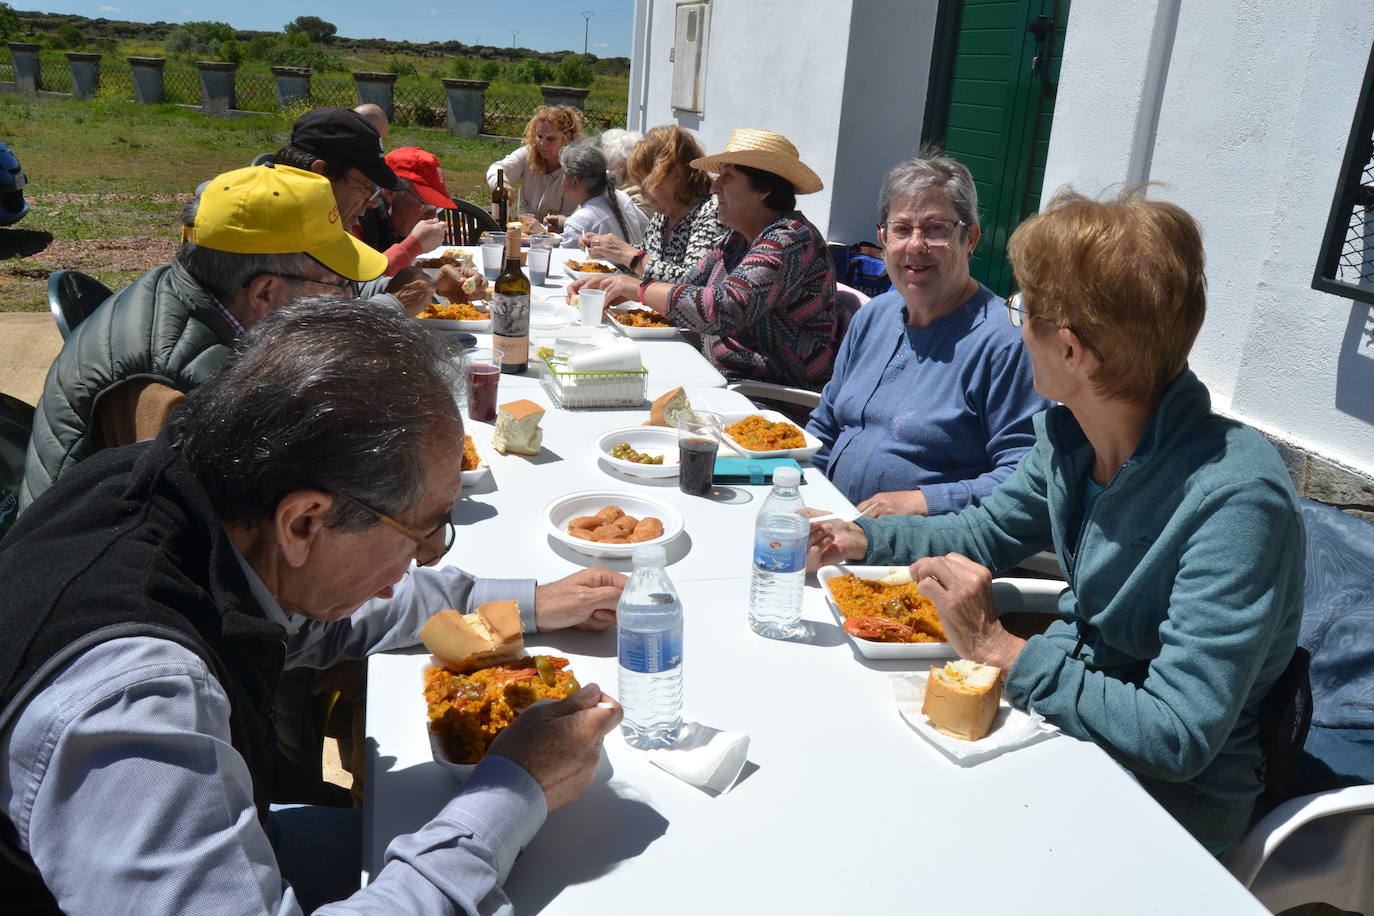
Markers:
535,164
601,207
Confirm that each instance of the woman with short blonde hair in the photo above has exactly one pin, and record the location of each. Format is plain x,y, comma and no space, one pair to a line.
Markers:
1177,530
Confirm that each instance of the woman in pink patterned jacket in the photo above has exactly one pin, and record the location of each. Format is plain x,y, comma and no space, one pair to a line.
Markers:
764,298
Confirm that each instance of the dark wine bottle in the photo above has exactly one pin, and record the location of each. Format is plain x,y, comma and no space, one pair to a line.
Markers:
510,310
499,206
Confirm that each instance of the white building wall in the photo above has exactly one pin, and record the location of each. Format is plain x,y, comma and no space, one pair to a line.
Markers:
844,80
1243,109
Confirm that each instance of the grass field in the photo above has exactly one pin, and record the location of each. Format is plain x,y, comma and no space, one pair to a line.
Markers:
107,180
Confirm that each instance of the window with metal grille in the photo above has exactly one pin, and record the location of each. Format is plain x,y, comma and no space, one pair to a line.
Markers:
1346,263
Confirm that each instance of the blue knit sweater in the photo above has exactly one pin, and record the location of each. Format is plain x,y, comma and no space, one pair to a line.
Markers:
946,408
1185,587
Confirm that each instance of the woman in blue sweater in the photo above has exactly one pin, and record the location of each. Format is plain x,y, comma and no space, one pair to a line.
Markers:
1178,530
930,405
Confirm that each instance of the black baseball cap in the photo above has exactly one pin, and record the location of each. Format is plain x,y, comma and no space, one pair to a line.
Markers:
342,137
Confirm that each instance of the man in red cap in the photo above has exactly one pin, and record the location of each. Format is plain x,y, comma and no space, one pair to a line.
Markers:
408,221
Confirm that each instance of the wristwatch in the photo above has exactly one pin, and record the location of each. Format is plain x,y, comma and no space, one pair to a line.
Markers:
639,255
642,287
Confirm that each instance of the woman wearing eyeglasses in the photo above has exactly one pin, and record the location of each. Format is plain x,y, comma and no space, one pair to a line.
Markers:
1178,530
930,406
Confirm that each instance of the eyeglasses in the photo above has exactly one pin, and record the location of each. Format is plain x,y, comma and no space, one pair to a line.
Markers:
429,552
427,209
340,286
1017,315
936,233
373,190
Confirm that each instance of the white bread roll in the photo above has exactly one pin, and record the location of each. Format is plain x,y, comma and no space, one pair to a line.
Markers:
466,642
962,697
665,410
517,428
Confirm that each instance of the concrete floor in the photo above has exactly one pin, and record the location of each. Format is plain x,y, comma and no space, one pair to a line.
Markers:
28,343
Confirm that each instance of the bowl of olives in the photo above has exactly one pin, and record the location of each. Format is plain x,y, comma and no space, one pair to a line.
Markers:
640,451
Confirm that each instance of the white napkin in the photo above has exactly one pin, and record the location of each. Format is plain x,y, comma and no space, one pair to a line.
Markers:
614,356
705,757
1011,729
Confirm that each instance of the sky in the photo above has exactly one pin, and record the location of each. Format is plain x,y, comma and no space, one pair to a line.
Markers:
543,25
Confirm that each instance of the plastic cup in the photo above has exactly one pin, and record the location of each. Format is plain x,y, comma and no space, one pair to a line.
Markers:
482,369
698,440
538,263
493,257
591,302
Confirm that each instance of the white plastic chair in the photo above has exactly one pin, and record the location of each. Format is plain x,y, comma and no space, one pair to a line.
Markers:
1313,849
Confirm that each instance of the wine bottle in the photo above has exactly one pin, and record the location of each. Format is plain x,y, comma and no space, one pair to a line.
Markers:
510,310
499,207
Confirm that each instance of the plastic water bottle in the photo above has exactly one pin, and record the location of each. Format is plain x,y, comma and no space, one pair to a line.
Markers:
780,538
649,636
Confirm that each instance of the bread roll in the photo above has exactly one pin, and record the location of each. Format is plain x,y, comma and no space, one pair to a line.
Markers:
517,428
962,697
466,642
665,410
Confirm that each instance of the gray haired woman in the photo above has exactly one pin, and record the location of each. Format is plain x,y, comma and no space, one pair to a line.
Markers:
601,207
931,402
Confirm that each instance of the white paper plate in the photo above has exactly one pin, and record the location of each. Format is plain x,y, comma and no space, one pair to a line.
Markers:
483,466
640,333
444,325
651,440
587,274
564,509
867,647
551,314
812,446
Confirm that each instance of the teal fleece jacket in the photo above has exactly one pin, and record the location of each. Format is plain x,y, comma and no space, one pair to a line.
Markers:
1185,589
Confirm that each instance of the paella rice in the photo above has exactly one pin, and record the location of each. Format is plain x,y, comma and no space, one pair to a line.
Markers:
904,603
461,311
759,434
468,711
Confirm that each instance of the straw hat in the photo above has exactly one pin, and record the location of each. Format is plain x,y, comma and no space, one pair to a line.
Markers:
765,150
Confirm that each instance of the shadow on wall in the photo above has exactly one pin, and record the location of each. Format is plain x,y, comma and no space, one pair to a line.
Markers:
1355,365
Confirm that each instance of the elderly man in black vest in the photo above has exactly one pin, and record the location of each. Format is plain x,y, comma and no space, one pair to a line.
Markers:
156,593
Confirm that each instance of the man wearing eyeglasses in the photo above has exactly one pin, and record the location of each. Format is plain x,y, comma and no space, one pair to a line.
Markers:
253,240
154,597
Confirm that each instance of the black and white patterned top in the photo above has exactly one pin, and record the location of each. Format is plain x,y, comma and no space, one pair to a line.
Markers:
672,254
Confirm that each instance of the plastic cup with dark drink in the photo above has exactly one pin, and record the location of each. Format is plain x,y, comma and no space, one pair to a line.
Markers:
538,263
698,440
482,368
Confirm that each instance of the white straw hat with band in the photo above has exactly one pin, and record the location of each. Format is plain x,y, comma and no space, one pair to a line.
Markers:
765,150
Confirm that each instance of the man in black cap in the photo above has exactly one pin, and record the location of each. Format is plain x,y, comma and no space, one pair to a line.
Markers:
344,147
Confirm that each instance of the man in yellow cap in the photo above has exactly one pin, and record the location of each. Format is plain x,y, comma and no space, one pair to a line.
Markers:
255,239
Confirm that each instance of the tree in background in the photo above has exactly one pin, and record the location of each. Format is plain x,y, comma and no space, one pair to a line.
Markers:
201,39
9,22
574,70
312,27
66,37
530,70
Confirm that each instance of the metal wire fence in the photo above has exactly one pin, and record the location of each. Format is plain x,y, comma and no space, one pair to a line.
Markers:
416,101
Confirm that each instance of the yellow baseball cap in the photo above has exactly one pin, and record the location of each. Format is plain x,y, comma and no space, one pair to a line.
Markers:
281,210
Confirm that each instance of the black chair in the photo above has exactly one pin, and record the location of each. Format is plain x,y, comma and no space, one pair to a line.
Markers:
72,296
16,420
263,159
467,223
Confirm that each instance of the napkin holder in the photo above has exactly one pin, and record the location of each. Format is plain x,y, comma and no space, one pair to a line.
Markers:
756,472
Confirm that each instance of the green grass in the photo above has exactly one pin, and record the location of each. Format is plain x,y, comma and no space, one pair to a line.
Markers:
107,180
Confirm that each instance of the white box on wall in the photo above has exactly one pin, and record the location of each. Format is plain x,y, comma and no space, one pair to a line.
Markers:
689,54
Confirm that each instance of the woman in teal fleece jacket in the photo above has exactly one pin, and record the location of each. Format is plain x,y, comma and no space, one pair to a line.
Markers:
1178,531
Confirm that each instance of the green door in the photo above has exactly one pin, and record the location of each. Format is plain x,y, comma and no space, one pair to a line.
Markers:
991,104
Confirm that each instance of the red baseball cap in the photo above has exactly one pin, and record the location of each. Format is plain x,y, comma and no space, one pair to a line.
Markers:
421,168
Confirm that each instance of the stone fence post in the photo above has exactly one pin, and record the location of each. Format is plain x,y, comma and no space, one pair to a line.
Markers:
148,86
85,74
293,85
564,95
377,89
467,103
217,95
26,73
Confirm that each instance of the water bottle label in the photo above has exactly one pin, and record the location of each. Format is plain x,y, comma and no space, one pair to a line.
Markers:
779,555
650,653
